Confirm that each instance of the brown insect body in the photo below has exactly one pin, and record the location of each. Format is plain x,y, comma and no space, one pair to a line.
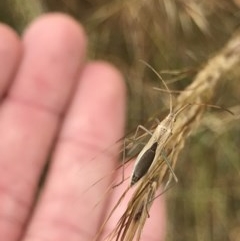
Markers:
142,166
159,138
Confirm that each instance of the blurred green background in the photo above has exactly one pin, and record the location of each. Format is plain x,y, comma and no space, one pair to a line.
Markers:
176,37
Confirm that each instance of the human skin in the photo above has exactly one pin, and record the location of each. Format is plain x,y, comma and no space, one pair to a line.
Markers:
56,107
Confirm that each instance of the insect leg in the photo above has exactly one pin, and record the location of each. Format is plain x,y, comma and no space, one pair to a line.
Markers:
169,166
142,128
171,170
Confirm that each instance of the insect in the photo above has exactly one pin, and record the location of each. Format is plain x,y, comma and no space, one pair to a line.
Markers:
146,159
155,146
149,169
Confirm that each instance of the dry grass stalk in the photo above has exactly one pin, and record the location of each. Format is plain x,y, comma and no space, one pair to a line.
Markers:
132,221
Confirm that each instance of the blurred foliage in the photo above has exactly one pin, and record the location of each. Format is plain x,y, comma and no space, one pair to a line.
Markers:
179,36
18,14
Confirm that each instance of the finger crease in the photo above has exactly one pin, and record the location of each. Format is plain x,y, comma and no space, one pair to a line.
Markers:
16,199
34,105
13,215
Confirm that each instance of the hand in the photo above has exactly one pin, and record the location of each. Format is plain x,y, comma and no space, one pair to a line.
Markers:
58,108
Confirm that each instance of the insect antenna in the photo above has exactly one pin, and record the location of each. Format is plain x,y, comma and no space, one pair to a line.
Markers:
164,83
200,104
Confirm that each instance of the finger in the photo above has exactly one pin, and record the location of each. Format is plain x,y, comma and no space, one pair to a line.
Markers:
155,227
29,118
96,119
10,54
